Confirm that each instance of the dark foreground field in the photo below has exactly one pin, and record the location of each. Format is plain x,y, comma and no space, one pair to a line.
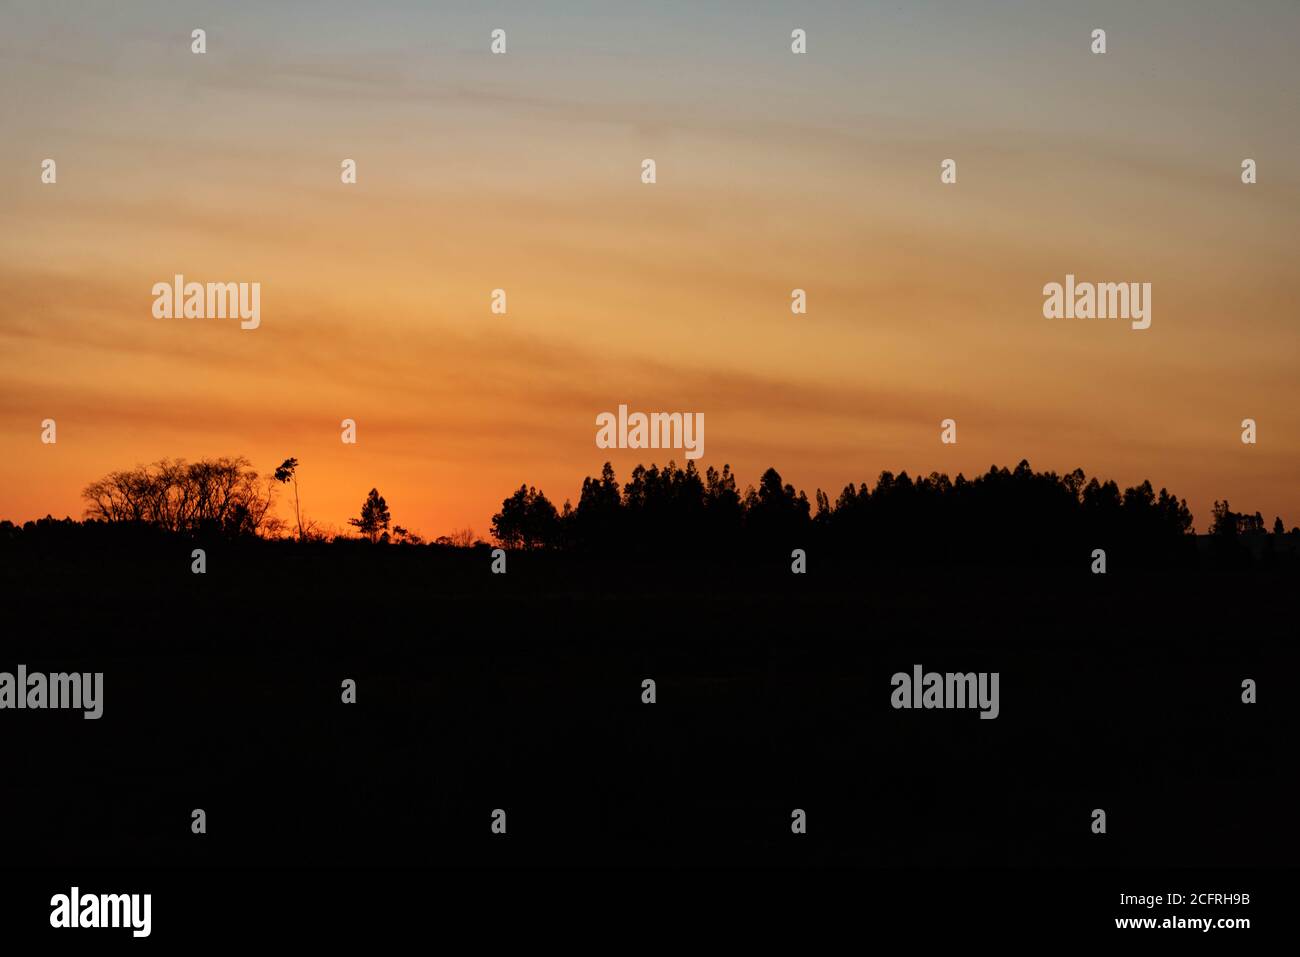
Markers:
523,692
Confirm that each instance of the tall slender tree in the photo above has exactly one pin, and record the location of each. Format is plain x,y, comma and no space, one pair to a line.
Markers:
288,471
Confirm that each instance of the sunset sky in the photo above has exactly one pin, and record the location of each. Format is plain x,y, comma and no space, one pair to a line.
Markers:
522,172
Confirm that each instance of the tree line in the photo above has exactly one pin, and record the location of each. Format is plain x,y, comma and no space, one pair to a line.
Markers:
1016,515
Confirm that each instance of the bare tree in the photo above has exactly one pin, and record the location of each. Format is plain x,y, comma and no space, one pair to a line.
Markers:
221,494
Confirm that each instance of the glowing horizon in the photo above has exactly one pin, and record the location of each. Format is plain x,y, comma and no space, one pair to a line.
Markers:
521,172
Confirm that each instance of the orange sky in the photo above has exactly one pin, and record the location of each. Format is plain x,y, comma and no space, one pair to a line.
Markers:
522,172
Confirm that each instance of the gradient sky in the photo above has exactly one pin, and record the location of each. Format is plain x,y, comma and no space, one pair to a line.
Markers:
523,172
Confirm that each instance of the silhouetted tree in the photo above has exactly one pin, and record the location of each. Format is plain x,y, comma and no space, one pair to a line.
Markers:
1226,523
374,519
775,514
527,520
595,522
288,471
